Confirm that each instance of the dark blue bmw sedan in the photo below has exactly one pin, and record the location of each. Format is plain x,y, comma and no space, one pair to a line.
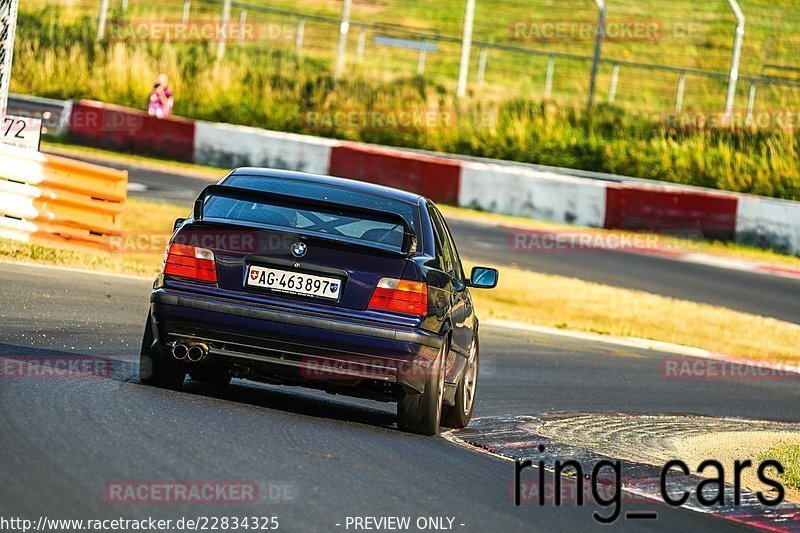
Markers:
344,286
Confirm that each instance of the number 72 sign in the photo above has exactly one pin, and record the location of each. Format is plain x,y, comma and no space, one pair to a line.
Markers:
22,132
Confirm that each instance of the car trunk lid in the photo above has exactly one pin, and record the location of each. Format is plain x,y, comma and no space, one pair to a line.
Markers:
337,261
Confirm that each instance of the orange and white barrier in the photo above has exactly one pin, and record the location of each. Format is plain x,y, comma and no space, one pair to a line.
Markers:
53,200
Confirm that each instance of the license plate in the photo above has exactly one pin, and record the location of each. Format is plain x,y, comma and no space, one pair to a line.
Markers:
294,283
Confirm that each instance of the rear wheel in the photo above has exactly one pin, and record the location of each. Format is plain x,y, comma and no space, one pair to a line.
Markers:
422,412
459,415
158,368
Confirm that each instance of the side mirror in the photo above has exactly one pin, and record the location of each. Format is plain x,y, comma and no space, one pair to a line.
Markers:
178,223
484,278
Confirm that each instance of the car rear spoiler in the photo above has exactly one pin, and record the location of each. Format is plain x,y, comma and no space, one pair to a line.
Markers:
248,195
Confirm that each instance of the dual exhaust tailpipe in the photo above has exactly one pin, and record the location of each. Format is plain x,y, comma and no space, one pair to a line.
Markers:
192,352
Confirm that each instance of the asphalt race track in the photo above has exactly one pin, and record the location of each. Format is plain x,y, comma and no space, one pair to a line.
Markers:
320,459
63,440
750,292
744,291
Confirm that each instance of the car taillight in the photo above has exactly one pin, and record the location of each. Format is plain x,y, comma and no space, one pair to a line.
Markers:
400,296
190,262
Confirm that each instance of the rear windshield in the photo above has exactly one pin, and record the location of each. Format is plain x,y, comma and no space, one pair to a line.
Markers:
386,231
339,195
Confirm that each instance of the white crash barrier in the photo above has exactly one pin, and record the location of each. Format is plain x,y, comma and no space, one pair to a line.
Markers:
528,192
227,146
768,223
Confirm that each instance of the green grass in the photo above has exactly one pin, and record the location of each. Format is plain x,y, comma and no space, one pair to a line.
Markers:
567,303
787,455
267,85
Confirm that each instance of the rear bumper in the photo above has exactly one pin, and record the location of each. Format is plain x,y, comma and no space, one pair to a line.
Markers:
320,347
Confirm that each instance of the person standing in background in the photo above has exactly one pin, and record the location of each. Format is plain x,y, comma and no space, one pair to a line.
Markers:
161,99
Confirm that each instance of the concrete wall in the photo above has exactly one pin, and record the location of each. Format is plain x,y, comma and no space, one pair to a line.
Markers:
227,146
531,193
769,223
711,214
437,178
128,130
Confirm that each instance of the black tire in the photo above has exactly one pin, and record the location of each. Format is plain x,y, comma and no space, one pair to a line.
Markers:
421,413
156,367
459,415
213,375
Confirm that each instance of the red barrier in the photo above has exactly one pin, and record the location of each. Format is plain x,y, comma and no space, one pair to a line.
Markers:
436,178
630,206
120,128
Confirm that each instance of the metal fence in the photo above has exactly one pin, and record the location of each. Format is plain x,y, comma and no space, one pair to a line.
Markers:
8,25
648,56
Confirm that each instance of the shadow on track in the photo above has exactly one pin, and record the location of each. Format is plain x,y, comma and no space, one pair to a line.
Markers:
282,398
239,391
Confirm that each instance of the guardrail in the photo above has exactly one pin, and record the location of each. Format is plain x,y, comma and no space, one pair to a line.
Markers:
53,200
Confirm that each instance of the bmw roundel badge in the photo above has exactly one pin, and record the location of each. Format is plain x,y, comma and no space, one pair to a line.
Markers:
299,249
